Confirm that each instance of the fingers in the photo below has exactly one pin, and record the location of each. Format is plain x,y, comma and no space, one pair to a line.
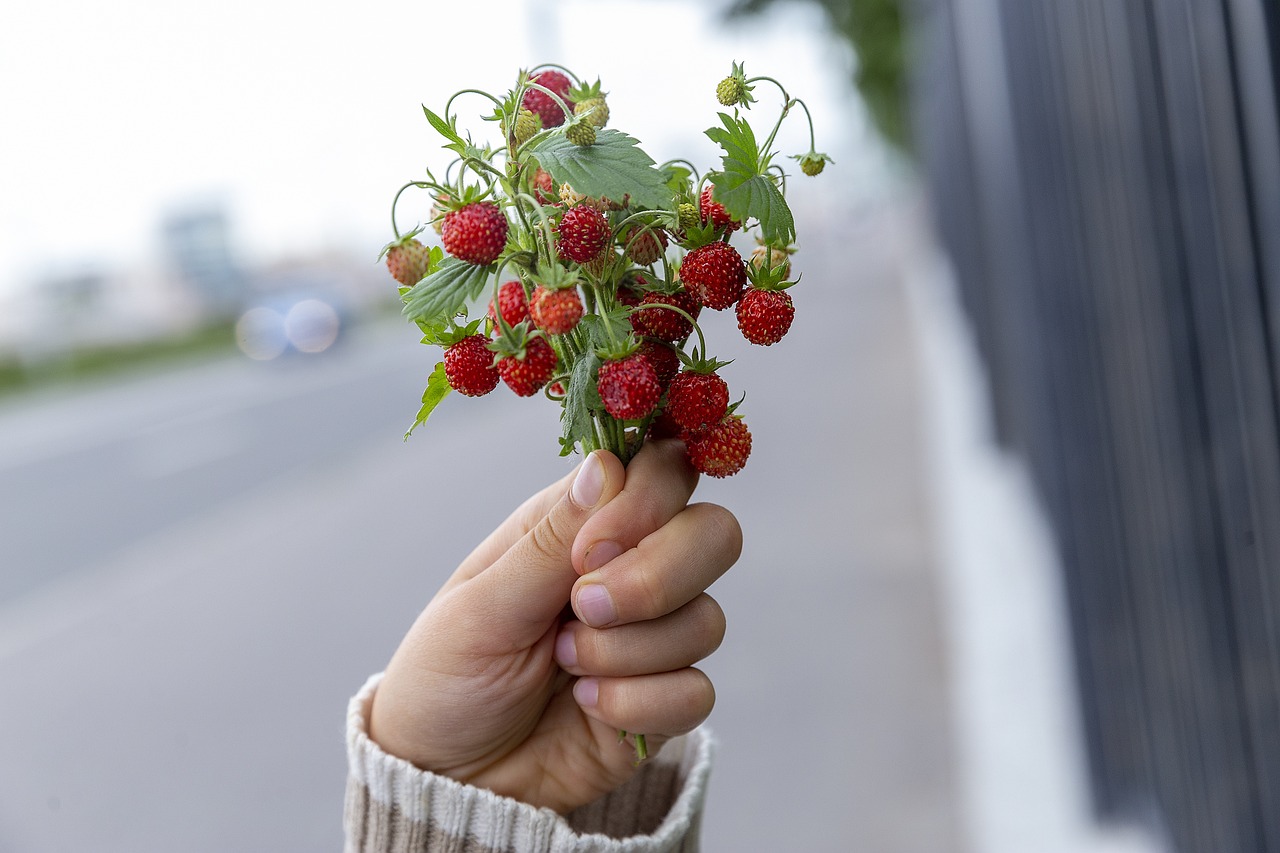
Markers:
665,571
525,589
672,642
668,703
660,481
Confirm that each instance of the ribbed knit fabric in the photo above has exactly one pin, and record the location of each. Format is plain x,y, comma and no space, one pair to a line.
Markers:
393,807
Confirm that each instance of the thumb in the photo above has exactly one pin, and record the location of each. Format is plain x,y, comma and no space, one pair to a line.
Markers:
526,588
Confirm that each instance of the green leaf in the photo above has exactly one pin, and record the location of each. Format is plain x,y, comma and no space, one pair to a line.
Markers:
744,188
437,389
446,129
613,167
443,293
580,398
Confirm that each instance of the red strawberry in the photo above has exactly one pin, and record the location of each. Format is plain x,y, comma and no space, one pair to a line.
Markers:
722,449
475,233
544,189
512,304
468,365
527,375
662,323
629,387
716,272
696,400
407,262
555,311
764,316
545,105
716,212
584,232
662,358
645,247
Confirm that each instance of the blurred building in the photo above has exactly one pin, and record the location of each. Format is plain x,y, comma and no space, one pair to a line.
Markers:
197,245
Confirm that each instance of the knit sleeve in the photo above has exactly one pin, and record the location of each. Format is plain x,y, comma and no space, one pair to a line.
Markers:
393,807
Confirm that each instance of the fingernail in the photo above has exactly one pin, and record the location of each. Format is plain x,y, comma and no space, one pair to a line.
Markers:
589,484
587,692
595,605
599,554
566,650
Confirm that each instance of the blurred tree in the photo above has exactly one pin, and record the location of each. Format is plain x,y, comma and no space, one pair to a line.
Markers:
874,28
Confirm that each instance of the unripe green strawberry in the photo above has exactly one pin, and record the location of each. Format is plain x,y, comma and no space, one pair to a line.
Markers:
812,163
764,316
512,303
583,234
629,387
729,91
527,124
407,261
555,312
595,110
468,365
767,258
716,273
526,376
475,233
720,450
688,214
581,133
644,245
697,400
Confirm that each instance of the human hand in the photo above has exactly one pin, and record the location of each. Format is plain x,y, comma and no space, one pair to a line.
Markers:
497,685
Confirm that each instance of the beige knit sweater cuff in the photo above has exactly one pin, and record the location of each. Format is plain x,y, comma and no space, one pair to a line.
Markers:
393,807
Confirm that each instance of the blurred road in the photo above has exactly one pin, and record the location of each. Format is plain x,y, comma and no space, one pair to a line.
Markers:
197,568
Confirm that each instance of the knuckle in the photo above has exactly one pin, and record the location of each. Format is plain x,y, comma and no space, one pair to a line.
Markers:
721,526
553,534
651,593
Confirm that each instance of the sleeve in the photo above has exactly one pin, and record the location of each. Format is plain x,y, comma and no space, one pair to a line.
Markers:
393,807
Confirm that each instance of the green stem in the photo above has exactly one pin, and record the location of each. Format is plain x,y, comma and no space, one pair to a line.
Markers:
396,200
449,103
781,88
813,146
768,143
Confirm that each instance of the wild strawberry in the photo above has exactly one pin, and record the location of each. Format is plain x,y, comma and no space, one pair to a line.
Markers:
662,359
663,323
729,91
645,245
543,104
716,212
527,124
527,375
812,163
764,316
407,261
543,187
581,133
663,427
721,449
716,272
584,232
595,111
475,233
697,400
512,303
555,311
687,214
768,258
468,365
628,387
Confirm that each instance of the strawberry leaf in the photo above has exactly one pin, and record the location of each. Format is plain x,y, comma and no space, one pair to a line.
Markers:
580,398
447,129
437,389
613,167
443,293
744,187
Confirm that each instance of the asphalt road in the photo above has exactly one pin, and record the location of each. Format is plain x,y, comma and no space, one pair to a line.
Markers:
197,568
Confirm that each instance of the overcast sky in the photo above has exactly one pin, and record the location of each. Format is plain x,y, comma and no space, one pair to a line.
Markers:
304,118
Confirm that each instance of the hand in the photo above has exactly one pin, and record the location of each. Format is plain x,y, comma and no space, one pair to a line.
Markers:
498,686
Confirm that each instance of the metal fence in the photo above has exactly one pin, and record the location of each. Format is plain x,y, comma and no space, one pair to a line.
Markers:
1107,179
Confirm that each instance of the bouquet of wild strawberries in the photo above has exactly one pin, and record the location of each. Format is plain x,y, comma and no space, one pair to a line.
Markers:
571,225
